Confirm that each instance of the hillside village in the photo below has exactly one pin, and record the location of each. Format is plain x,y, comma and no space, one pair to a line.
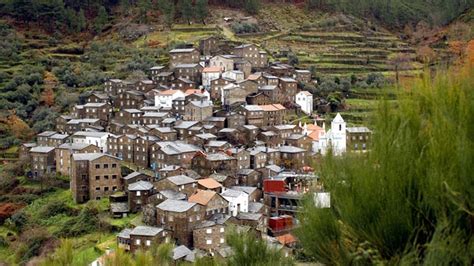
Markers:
204,144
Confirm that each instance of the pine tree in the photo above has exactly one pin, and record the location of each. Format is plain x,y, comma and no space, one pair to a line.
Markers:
252,6
144,6
81,21
167,10
202,10
101,19
186,8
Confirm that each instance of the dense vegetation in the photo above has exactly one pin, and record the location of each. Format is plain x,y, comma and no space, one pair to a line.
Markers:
399,13
409,200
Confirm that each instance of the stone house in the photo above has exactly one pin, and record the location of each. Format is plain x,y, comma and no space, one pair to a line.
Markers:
209,184
164,99
293,157
122,146
184,129
64,152
51,138
129,116
42,161
189,71
245,66
94,175
248,86
130,99
250,52
272,93
225,62
172,153
138,193
270,138
233,94
142,238
211,201
142,150
249,131
209,46
135,177
144,85
155,70
214,146
184,56
302,75
217,85
249,177
75,125
236,75
258,98
153,118
180,183
242,155
254,194
289,89
300,140
258,159
197,110
206,164
115,86
258,78
182,83
255,221
210,234
163,133
271,79
358,138
163,78
180,217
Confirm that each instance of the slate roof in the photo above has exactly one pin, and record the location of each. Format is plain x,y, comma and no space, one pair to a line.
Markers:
181,180
140,185
182,50
232,193
119,207
291,149
247,190
175,205
255,207
358,130
142,230
180,252
171,194
42,149
218,157
249,216
74,146
125,233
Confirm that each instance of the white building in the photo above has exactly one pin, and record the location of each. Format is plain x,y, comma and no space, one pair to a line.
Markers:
335,137
305,100
98,139
236,75
209,74
238,201
164,99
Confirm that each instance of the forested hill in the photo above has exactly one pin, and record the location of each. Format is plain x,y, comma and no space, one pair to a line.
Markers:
86,15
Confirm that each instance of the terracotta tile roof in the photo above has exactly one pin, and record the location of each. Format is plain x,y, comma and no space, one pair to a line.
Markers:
168,92
202,197
193,91
286,239
209,183
211,69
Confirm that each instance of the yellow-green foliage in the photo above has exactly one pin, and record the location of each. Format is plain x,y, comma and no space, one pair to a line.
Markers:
409,199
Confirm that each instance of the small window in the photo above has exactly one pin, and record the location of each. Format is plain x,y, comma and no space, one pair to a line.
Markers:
222,240
106,188
97,166
97,188
209,241
106,176
148,242
84,177
222,230
209,231
114,176
139,193
137,241
114,165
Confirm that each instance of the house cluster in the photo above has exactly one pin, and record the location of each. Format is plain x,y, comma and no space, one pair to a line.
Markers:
207,144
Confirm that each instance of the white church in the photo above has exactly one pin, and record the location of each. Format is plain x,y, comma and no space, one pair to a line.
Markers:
334,138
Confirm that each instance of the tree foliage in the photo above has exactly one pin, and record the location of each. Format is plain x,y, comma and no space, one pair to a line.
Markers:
408,200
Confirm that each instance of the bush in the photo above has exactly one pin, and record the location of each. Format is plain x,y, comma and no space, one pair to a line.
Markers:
87,221
18,221
32,241
243,28
54,208
3,242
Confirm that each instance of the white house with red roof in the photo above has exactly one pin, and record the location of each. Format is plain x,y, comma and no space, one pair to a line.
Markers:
209,74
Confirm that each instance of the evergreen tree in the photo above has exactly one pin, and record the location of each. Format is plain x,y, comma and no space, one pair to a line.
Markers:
101,20
143,6
186,8
81,21
125,5
202,10
166,8
252,6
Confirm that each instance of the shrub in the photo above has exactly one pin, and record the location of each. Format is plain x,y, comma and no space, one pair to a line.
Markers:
18,221
54,208
87,221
